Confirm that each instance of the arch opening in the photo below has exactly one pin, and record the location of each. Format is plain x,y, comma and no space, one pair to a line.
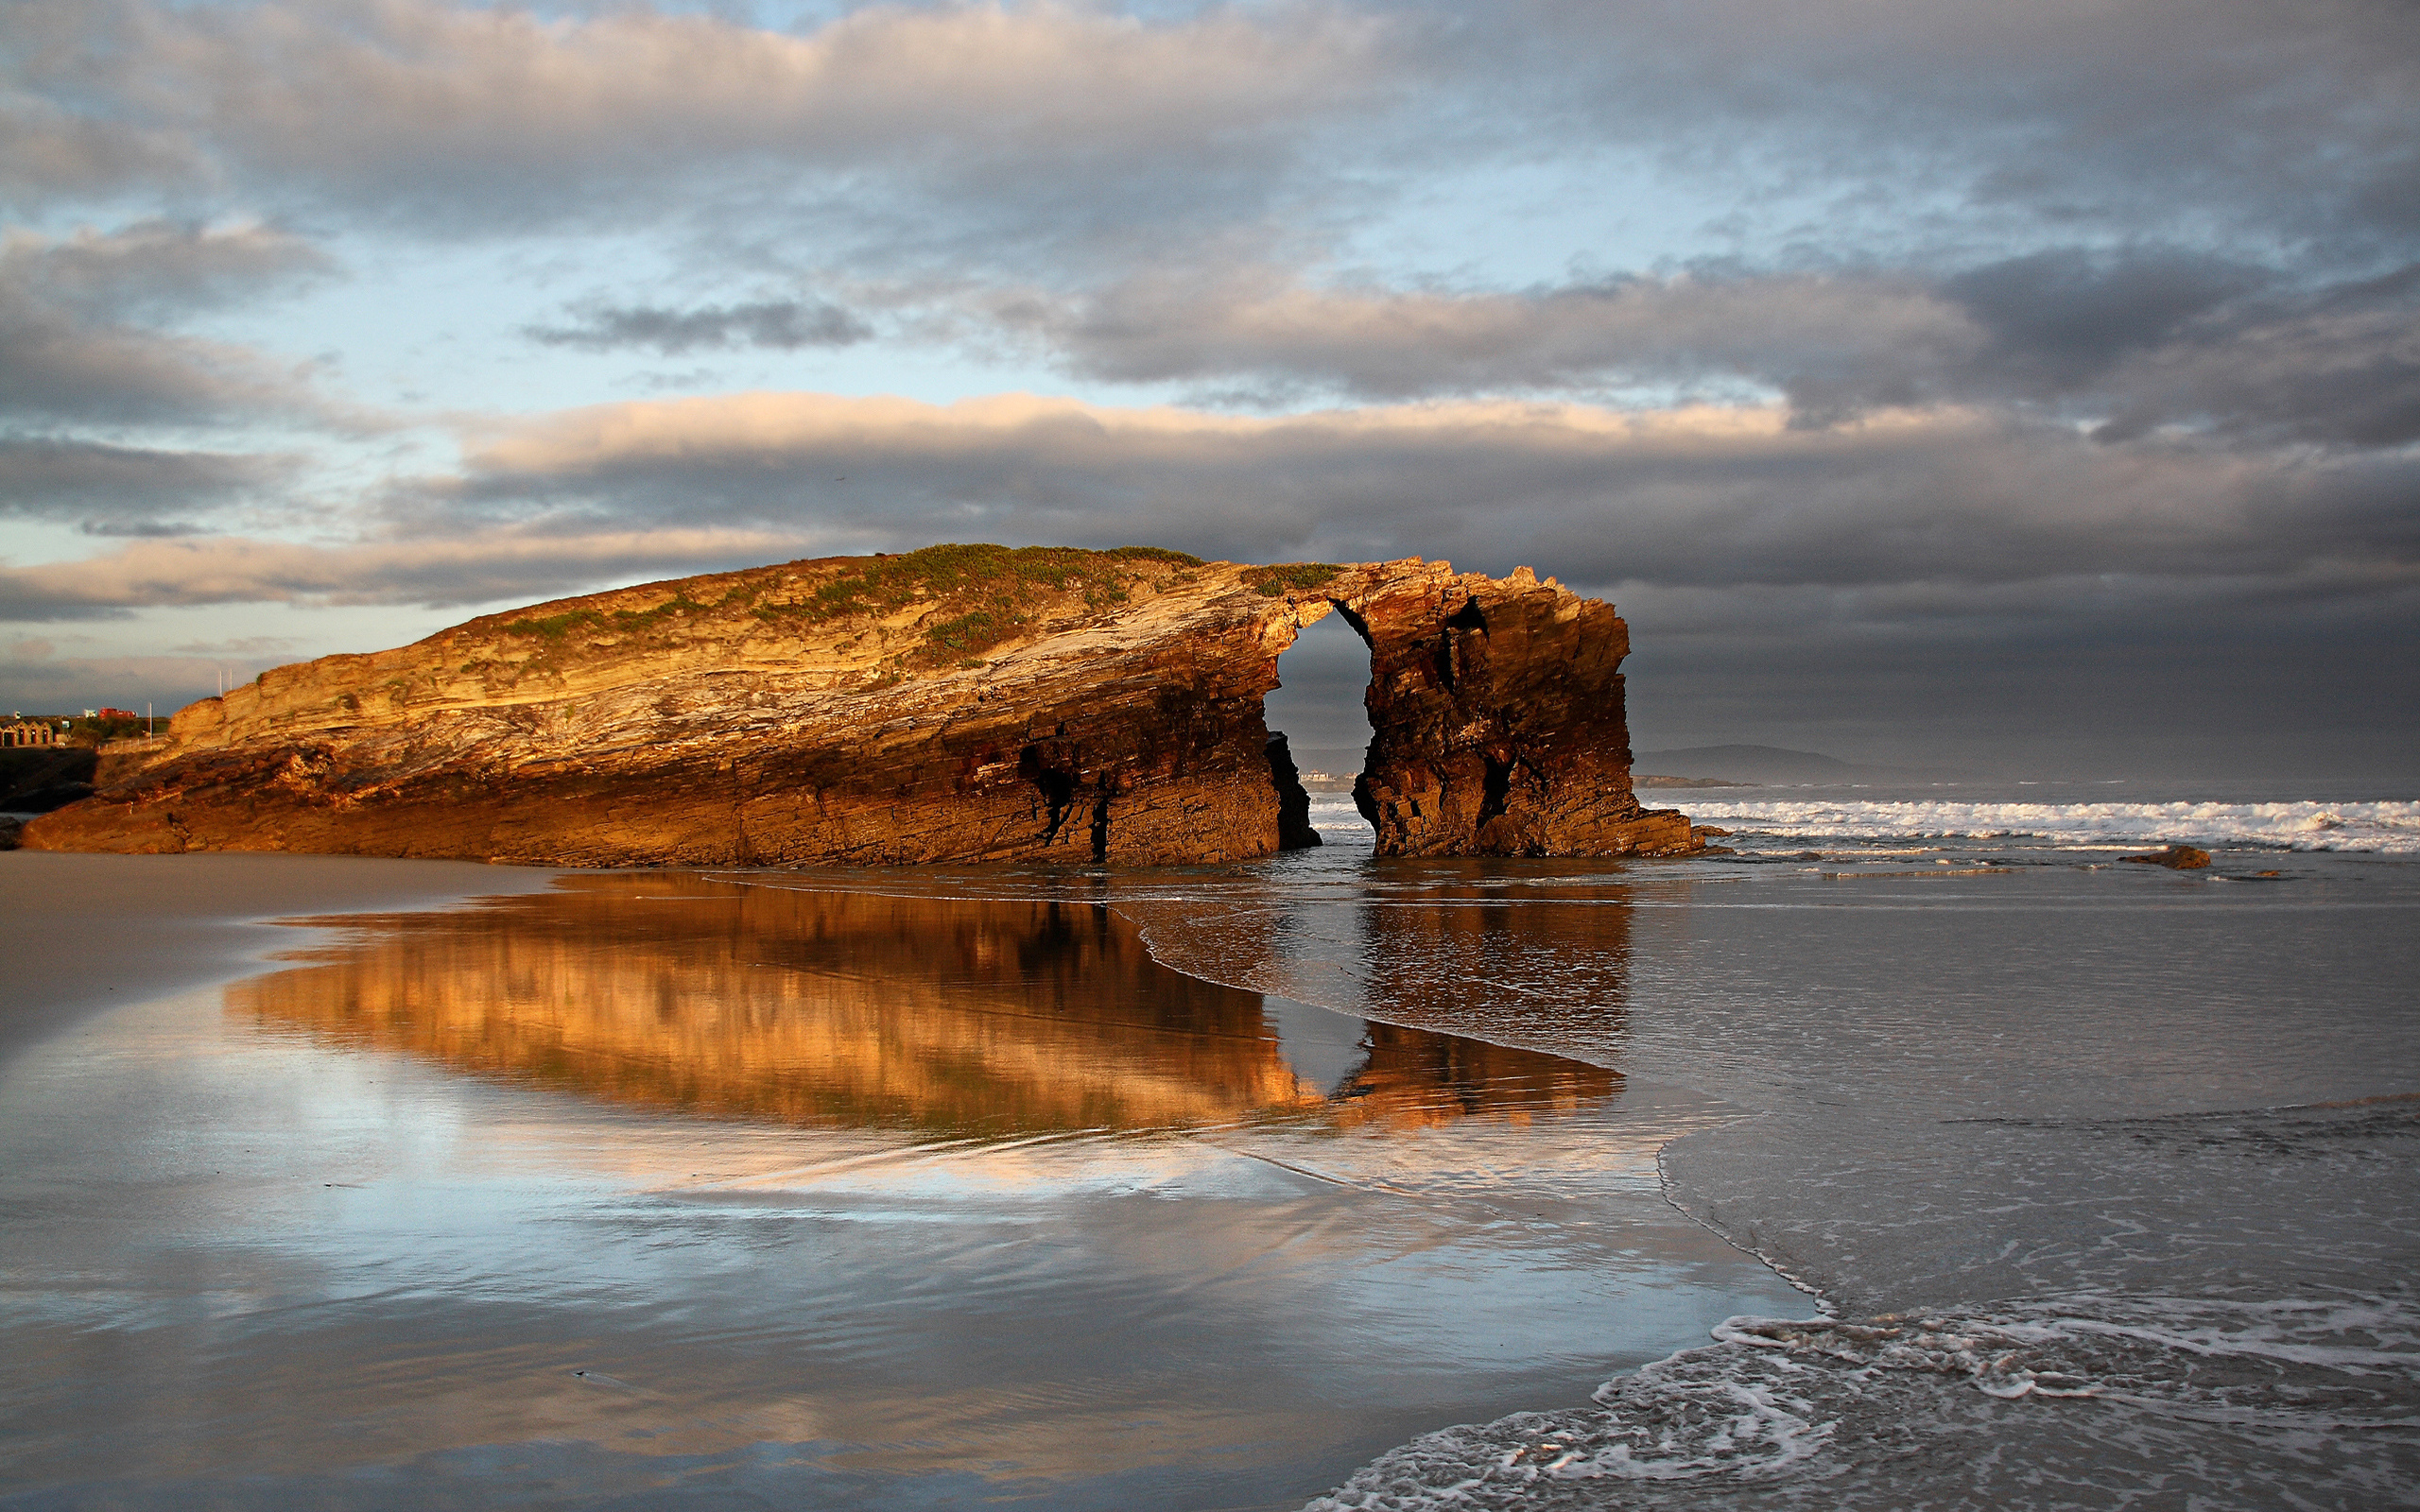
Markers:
1319,730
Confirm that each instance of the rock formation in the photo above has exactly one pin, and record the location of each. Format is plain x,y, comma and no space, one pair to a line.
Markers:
960,703
2174,857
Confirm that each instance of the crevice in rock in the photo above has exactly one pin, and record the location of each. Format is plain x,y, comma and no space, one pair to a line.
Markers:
1294,832
1057,784
1496,790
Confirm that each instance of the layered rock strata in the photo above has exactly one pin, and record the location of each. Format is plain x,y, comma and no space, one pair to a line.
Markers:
961,703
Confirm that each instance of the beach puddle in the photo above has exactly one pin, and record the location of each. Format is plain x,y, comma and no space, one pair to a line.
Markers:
716,1187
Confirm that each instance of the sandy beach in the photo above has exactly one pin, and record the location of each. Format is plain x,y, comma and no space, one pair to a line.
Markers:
709,1188
88,931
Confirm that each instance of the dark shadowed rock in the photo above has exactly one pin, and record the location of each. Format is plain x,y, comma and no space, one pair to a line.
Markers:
37,778
2174,857
1294,832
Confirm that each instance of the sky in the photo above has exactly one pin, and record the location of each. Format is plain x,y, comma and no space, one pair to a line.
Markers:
2014,388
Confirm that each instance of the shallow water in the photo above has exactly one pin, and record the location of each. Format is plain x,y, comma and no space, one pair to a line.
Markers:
1229,1186
2110,1173
715,1189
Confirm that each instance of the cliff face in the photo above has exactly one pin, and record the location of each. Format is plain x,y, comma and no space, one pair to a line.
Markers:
959,703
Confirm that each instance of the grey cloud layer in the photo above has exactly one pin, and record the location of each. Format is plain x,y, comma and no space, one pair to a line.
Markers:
473,116
80,324
2150,118
782,325
1702,496
495,565
1894,121
2133,339
1925,515
124,489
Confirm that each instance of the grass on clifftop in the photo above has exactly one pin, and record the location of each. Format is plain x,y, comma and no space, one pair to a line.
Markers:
982,595
986,594
882,585
1273,581
556,626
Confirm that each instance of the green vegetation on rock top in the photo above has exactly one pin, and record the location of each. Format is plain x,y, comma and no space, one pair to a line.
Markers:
1272,581
982,596
986,594
556,626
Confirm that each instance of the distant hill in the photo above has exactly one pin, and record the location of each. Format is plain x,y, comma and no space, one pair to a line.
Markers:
1759,764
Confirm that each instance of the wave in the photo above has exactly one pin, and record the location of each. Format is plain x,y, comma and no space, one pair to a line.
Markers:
2025,1407
2388,828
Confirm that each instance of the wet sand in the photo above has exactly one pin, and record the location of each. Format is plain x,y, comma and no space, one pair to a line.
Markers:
754,1189
90,932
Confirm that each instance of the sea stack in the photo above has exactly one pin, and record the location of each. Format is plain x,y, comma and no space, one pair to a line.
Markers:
960,703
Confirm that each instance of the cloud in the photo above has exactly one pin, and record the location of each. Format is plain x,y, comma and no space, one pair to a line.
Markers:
74,341
44,684
1874,114
2337,366
782,325
1956,508
500,565
1702,495
155,267
2129,339
259,648
123,490
2096,677
1265,326
446,112
1909,121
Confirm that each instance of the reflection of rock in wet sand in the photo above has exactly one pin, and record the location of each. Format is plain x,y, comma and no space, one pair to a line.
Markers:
1463,954
802,1006
848,1007
1414,1076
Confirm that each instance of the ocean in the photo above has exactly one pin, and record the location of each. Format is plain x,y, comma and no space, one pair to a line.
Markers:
1919,1151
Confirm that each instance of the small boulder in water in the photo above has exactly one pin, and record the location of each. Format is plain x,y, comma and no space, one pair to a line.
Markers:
2174,857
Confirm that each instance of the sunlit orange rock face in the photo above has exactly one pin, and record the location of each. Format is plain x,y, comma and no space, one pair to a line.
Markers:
839,1007
961,703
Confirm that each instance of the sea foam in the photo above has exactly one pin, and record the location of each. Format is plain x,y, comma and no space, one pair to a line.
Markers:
2307,1402
2387,827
